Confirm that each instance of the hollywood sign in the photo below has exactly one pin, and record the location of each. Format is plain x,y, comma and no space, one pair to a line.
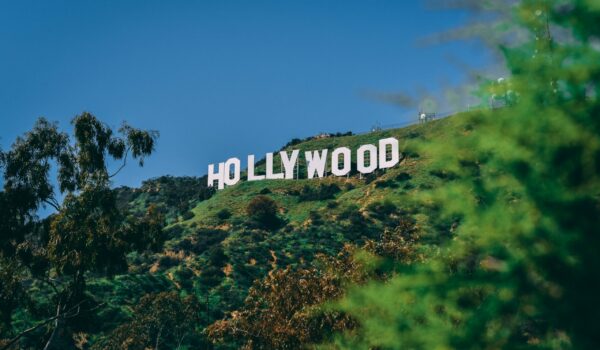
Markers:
368,159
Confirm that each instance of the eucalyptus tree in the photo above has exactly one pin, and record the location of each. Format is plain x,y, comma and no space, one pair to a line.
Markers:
160,321
87,234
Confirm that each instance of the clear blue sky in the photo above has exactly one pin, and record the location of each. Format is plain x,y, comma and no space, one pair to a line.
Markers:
220,78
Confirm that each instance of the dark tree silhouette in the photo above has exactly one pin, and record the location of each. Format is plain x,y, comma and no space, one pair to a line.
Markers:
87,234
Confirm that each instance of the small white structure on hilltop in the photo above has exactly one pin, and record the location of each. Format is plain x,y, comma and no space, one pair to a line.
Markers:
426,117
322,135
376,127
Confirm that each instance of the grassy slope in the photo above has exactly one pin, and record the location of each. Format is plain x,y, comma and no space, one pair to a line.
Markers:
250,252
236,198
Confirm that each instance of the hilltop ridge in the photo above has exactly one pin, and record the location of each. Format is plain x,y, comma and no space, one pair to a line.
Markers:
219,243
213,246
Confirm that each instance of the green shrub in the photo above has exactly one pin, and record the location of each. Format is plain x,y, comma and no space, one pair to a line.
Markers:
315,218
385,184
403,177
265,190
223,214
187,215
319,193
262,211
166,261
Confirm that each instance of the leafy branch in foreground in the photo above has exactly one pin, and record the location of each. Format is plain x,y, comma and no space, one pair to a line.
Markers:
520,270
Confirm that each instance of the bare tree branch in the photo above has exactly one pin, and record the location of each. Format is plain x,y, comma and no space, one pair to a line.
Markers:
122,165
52,202
65,315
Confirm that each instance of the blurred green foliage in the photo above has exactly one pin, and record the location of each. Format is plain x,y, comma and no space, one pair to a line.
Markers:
520,271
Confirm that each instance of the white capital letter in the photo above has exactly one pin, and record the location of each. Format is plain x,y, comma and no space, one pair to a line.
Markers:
212,176
360,159
236,171
335,161
316,162
270,174
289,163
251,176
384,163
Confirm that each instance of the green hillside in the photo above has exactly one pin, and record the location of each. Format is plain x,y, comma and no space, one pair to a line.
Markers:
215,250
484,236
396,185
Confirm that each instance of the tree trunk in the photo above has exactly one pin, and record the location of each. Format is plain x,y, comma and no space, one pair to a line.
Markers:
61,338
57,326
158,338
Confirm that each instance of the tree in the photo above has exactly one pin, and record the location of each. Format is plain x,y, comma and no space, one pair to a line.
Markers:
88,233
159,321
288,309
11,291
519,271
283,311
263,211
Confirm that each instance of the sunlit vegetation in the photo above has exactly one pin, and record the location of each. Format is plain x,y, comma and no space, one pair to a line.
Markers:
483,237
